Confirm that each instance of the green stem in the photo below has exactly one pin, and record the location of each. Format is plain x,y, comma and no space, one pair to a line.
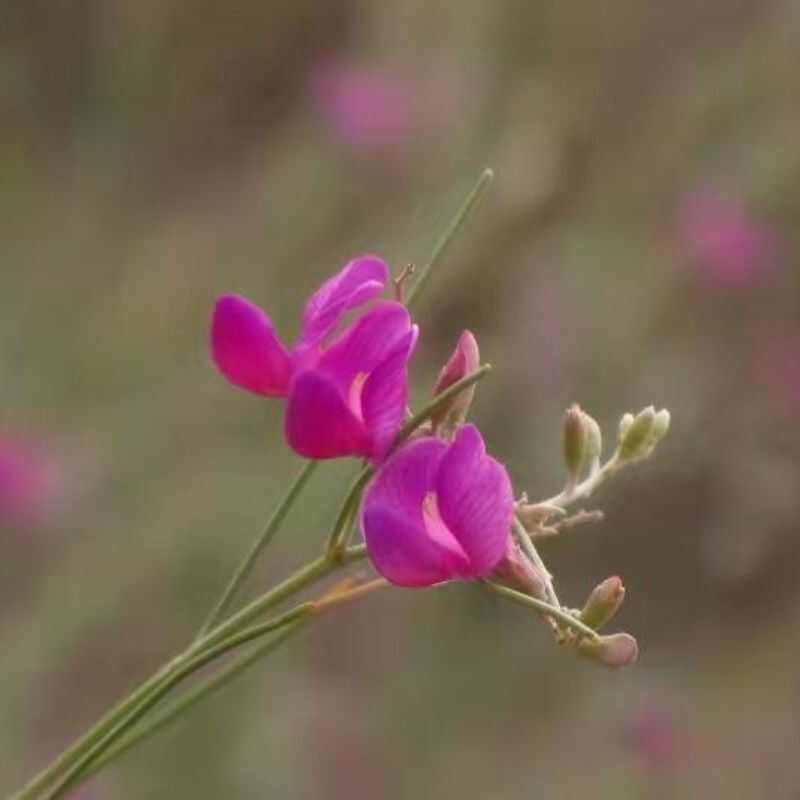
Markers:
183,671
337,540
587,487
439,402
529,549
543,608
259,545
450,232
192,697
299,580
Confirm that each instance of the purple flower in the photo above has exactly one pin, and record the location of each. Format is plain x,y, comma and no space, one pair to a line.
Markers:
727,245
344,397
438,511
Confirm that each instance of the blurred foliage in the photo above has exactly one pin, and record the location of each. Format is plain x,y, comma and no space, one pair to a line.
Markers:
155,154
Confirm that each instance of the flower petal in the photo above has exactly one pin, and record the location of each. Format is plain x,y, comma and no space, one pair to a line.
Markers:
475,500
401,550
398,540
246,349
384,398
408,476
366,343
319,423
360,280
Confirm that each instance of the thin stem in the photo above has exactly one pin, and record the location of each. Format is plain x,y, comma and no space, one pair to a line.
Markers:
543,608
355,553
587,487
95,757
337,598
450,232
192,697
439,402
177,676
529,549
299,580
259,545
337,540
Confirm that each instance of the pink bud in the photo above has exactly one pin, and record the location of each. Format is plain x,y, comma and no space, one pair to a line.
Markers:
464,361
517,572
617,650
603,603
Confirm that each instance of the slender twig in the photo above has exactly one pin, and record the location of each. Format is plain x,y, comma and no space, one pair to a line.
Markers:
529,549
192,697
588,486
177,676
259,545
439,402
449,233
544,608
337,540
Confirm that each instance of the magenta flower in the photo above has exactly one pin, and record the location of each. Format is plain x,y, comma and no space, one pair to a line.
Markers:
344,397
438,511
728,247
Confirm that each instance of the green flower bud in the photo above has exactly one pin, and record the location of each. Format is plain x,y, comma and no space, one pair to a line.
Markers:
603,603
594,441
624,424
636,439
660,426
574,441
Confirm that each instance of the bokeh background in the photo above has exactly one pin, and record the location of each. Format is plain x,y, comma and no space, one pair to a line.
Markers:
639,245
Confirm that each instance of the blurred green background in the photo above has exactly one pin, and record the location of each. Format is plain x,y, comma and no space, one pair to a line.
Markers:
637,246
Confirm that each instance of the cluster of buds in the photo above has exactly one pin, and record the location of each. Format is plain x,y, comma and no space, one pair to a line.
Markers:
639,435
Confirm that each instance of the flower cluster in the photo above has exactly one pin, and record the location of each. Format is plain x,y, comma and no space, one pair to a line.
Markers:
438,507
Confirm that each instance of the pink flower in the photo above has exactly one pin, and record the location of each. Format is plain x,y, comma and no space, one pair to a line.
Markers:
382,113
438,511
654,736
30,480
344,397
728,247
370,110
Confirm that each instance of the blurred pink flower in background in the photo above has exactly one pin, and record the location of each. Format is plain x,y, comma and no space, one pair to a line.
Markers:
376,111
31,479
654,737
728,246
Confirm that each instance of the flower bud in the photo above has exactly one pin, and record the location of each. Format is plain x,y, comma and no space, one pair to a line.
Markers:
464,361
603,603
574,441
635,441
624,424
519,573
616,650
582,441
594,441
660,426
